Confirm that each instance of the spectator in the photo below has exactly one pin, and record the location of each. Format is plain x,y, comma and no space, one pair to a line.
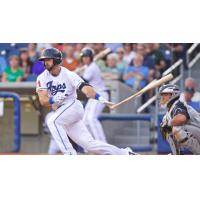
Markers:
158,57
148,62
178,50
110,72
191,83
78,48
3,65
24,62
57,46
121,63
128,53
41,46
113,46
32,52
98,47
136,75
187,96
69,61
13,73
167,53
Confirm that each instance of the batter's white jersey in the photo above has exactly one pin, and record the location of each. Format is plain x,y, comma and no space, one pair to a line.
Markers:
92,75
66,83
66,121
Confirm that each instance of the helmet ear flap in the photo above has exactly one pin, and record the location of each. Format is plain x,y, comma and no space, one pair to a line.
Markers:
56,61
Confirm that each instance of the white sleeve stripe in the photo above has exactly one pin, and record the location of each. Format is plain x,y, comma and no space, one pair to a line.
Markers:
41,89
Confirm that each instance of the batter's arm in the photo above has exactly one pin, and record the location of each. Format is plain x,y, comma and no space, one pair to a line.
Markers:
88,91
91,93
43,98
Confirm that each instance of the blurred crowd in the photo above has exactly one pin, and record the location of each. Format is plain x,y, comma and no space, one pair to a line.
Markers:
135,64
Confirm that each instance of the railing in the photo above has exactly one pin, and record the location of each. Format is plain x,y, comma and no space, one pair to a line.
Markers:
192,59
132,117
17,119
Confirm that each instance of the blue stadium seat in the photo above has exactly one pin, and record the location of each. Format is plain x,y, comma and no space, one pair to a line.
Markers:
21,45
5,46
13,52
3,64
31,77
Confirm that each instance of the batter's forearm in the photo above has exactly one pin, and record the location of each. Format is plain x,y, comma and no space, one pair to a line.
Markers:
44,101
179,120
89,92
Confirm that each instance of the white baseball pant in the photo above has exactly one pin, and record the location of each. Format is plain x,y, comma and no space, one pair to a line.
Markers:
67,121
93,109
53,147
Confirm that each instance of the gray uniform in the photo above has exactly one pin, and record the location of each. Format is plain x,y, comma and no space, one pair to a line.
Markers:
189,134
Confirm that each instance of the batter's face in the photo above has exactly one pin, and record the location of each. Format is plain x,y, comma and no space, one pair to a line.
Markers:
86,60
48,64
164,98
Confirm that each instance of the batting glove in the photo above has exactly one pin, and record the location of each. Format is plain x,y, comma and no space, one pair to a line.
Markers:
58,99
103,101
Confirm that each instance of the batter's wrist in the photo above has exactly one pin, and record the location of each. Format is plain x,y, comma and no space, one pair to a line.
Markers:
51,101
97,96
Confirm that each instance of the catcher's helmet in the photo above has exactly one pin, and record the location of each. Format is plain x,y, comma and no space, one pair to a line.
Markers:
87,52
171,89
53,53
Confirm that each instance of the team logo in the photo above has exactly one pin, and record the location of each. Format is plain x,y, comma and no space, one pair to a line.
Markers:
54,89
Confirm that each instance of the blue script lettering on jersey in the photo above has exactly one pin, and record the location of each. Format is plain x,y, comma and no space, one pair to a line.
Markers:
55,89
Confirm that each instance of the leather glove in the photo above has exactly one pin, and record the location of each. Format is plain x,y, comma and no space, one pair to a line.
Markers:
165,129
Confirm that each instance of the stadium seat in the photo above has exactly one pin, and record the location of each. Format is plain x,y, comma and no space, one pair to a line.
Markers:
31,78
21,45
5,46
3,64
13,52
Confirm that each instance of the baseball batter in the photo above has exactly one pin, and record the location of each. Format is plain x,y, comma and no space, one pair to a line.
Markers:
93,108
181,124
56,87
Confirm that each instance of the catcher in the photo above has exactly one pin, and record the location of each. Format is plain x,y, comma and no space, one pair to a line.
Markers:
181,124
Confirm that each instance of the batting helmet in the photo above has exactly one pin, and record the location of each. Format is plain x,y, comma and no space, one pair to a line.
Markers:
87,52
53,53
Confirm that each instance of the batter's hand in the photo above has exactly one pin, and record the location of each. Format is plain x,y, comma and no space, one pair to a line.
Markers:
104,101
58,99
109,103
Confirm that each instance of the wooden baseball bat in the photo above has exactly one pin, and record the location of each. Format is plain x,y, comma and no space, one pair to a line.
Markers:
152,85
102,54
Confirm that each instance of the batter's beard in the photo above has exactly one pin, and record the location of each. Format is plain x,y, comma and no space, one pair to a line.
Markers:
49,69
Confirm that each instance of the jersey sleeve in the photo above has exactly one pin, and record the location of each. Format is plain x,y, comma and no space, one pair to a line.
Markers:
40,84
180,108
75,79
